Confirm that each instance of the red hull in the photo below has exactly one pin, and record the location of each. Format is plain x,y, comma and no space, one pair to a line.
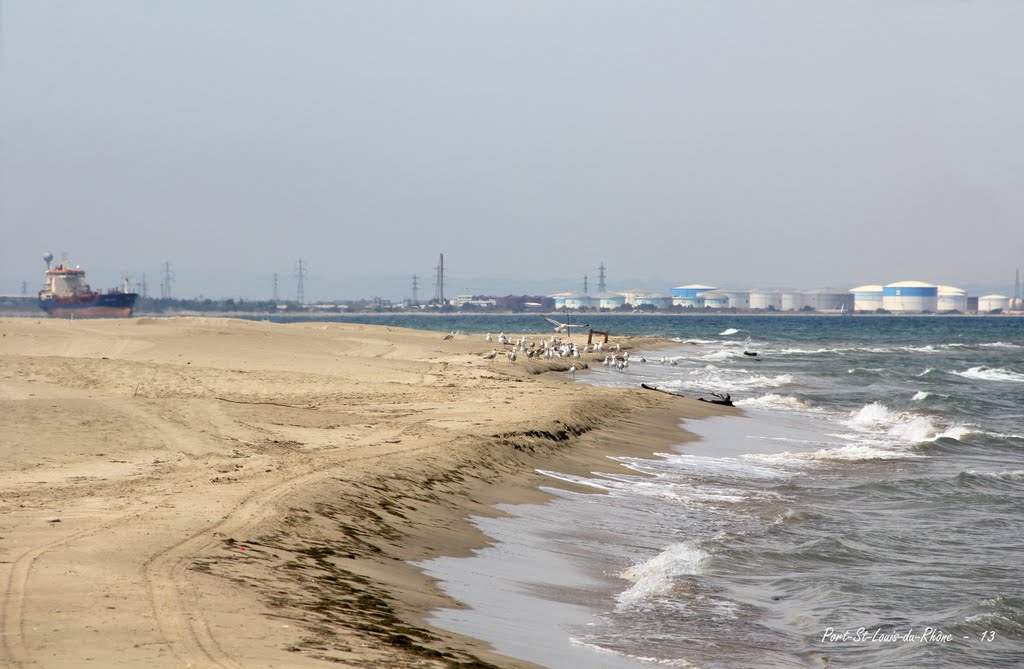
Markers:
92,312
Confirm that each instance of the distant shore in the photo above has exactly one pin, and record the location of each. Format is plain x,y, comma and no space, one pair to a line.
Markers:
228,492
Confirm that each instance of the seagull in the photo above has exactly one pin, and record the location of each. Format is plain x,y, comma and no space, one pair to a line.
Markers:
564,327
450,335
572,371
488,337
492,355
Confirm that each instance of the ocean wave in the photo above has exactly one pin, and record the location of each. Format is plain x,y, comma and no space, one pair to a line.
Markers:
920,396
925,372
1000,344
727,332
992,374
720,379
858,453
1009,476
656,577
776,401
902,426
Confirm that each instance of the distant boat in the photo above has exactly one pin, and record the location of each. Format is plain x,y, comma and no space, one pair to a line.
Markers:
67,295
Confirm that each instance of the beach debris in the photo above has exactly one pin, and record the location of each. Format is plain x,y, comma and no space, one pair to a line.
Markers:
724,400
660,390
752,354
55,520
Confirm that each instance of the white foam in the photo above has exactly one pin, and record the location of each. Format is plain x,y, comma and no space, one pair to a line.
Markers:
992,374
1016,475
776,401
857,453
727,332
656,576
1000,344
926,372
920,396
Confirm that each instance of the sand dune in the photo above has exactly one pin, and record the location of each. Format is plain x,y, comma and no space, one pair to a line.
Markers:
224,493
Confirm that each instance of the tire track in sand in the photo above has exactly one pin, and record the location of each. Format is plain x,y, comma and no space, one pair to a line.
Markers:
174,600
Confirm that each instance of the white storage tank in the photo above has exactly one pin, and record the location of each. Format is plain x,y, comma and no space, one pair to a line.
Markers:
576,301
792,301
910,297
867,298
715,300
654,298
610,301
952,298
828,300
690,296
769,300
738,299
988,303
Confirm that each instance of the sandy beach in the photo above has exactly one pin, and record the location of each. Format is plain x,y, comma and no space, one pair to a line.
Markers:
190,492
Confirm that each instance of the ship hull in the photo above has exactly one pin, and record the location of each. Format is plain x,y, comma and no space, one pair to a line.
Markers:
111,305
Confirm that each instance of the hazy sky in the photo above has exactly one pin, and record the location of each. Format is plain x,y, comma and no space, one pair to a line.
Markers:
757,143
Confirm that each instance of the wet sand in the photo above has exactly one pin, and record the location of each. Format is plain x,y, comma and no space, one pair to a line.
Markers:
227,493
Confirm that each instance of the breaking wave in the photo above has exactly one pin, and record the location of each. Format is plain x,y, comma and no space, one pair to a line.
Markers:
992,374
656,577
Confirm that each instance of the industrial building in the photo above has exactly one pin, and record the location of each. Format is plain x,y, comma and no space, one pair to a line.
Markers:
910,297
952,298
867,298
769,300
826,300
655,298
690,296
990,303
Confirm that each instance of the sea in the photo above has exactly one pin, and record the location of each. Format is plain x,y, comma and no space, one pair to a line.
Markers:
865,510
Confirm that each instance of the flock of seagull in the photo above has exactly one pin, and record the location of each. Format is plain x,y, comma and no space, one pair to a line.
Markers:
554,347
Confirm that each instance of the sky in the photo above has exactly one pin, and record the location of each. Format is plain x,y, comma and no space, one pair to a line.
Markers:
739,143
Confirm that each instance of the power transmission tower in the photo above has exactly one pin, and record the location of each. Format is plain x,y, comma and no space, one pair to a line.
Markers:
300,273
165,285
585,284
600,278
141,288
276,278
24,287
415,290
439,284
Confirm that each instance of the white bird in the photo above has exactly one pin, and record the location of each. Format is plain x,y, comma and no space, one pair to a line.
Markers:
492,355
488,337
512,355
502,339
572,371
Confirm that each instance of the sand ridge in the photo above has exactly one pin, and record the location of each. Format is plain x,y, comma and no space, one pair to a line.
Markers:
229,493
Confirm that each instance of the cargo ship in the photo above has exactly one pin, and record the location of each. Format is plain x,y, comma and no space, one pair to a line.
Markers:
67,295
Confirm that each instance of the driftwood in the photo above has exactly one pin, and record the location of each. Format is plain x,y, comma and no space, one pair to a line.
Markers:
667,392
724,400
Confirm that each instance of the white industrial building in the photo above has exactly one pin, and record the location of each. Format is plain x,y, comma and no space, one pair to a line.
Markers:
690,296
765,299
792,301
987,303
608,301
715,300
867,298
910,297
738,299
827,300
952,298
655,298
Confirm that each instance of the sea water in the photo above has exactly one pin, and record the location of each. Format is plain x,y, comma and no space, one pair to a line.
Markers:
866,511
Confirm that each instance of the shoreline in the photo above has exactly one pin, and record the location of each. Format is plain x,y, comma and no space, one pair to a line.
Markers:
277,481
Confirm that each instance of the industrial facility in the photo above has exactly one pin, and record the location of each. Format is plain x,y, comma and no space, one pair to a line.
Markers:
901,297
